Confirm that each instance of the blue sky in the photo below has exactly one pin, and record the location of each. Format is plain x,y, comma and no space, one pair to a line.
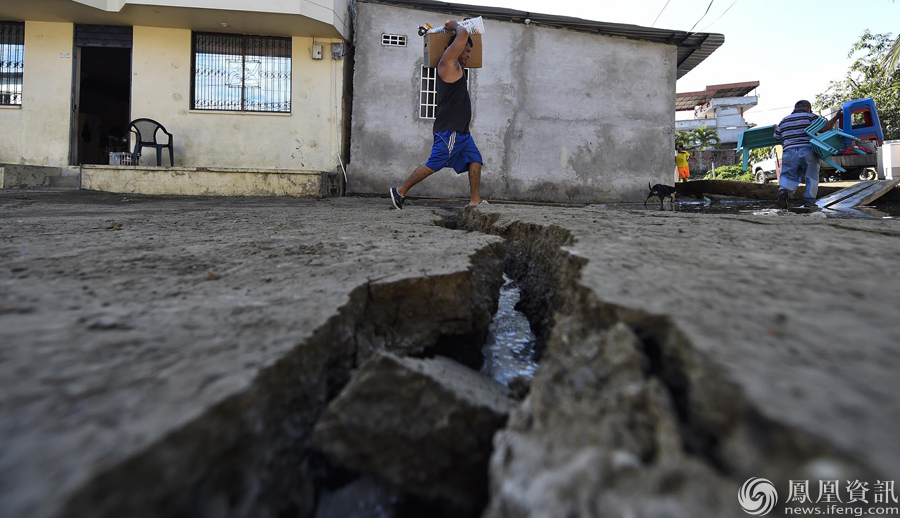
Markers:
792,47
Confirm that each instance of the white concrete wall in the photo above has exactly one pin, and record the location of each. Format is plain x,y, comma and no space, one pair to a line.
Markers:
724,115
37,133
558,115
306,139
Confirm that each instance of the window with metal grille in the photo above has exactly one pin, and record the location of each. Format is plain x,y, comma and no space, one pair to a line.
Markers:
241,73
428,92
393,40
12,62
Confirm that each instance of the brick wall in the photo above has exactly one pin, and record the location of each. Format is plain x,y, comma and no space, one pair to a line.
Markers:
719,157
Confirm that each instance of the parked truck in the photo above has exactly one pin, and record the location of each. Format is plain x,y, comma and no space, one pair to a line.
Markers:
769,167
860,119
863,167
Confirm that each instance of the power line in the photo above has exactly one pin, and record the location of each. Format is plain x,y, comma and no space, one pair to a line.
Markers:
660,13
773,109
720,16
711,2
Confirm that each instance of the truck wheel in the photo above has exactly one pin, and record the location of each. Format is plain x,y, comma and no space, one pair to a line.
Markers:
868,174
760,177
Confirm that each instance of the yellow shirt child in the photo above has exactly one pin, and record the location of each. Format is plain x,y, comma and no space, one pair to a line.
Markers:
681,161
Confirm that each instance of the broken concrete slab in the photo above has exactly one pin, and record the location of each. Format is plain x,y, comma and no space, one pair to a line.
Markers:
600,436
753,191
423,425
844,193
865,196
740,321
135,383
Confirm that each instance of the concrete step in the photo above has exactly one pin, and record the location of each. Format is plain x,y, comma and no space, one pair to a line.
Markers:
19,176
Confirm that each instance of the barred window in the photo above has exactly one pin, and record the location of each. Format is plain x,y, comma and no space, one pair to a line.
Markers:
241,73
428,92
393,40
12,62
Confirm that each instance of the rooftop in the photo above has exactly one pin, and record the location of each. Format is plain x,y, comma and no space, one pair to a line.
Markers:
693,47
687,101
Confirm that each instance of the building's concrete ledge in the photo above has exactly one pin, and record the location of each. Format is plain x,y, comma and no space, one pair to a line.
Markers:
199,181
18,176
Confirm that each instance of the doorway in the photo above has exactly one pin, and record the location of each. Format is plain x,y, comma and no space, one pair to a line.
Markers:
102,94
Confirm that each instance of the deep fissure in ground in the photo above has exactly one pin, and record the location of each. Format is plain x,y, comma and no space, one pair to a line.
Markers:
264,466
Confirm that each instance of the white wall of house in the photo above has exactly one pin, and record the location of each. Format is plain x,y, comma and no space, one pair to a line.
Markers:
37,132
306,139
725,115
558,115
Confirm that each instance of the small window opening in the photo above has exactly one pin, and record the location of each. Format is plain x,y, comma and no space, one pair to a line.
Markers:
393,40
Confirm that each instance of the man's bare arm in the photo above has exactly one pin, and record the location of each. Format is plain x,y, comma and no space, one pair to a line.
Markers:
448,67
833,120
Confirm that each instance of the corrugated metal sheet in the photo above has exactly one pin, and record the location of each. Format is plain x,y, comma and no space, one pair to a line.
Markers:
693,47
688,100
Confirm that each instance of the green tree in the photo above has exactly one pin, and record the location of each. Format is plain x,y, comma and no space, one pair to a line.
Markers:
868,77
760,154
703,138
683,139
891,61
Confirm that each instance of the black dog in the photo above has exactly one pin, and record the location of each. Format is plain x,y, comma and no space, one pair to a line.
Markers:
663,192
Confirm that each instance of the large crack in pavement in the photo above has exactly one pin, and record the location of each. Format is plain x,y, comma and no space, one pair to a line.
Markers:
249,454
175,363
172,358
626,416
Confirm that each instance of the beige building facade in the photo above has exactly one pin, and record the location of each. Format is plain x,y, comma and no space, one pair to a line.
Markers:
240,85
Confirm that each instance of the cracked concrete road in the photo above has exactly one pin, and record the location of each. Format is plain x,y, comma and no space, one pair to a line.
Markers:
799,309
773,334
123,318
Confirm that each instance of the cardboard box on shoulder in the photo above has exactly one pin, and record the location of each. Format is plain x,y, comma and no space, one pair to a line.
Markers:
436,43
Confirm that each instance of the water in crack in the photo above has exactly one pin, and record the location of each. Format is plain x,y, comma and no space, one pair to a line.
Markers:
509,349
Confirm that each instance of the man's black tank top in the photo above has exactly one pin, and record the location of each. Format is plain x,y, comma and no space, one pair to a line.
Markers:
454,108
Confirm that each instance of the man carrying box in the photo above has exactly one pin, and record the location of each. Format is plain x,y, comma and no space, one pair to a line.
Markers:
453,144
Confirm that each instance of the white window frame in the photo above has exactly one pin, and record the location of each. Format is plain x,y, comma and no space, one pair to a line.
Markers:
428,92
393,40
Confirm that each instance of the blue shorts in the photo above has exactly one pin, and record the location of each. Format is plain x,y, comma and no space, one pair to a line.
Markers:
453,149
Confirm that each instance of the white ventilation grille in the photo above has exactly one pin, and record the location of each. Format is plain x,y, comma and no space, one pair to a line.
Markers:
393,40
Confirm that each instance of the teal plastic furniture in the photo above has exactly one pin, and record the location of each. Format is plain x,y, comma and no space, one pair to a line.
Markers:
816,126
825,145
755,138
829,143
